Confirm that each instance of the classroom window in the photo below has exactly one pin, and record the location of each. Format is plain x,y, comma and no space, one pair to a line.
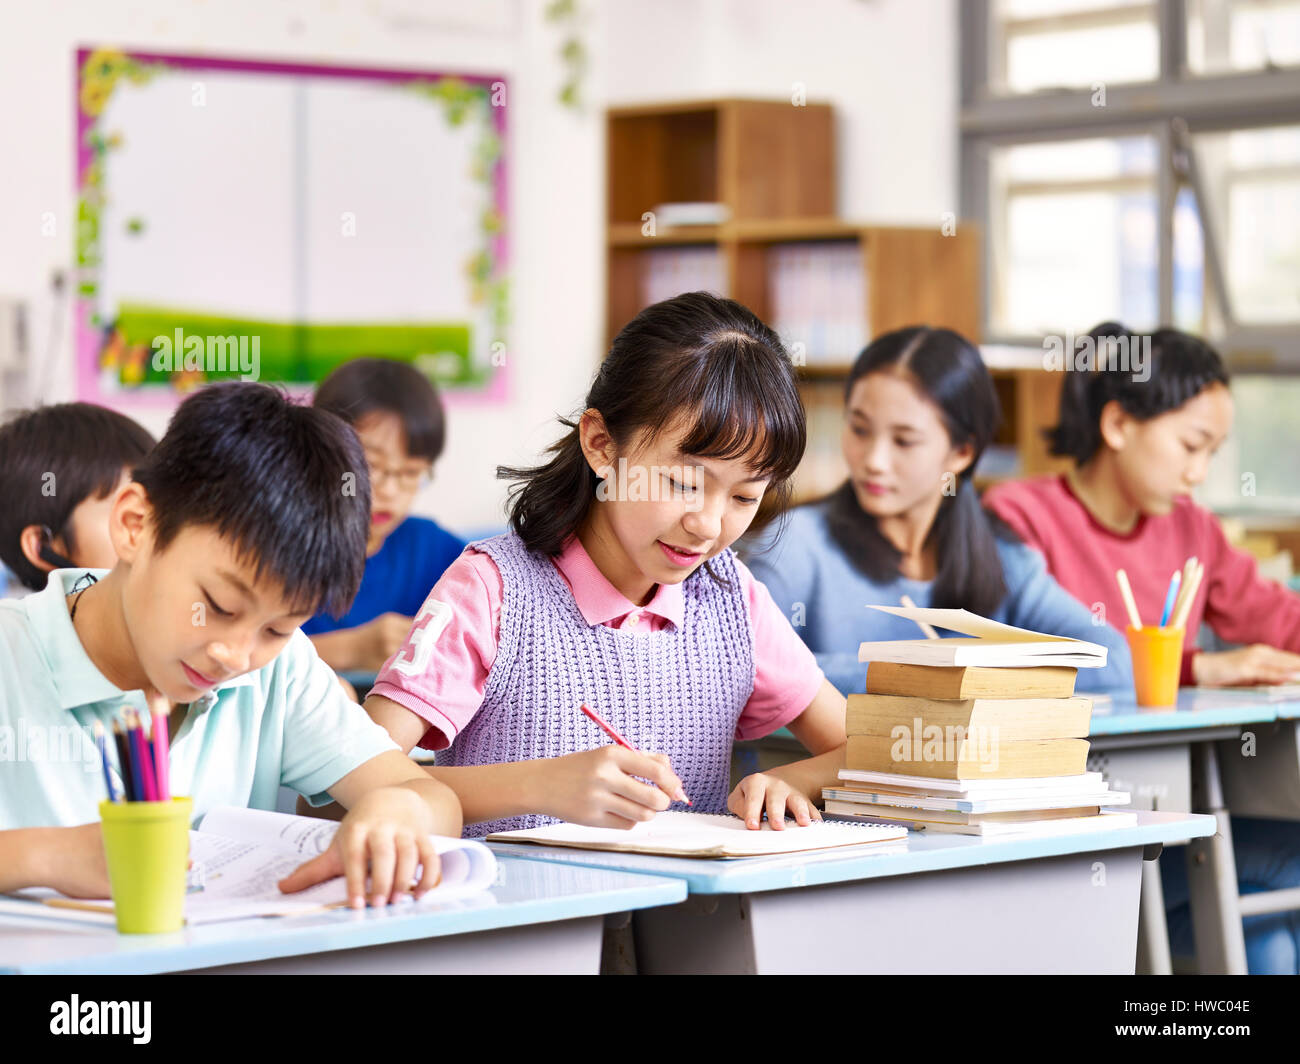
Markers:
1226,36
1073,226
1252,179
1255,468
1037,45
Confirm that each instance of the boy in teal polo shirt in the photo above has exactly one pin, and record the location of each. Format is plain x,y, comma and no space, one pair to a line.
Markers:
248,517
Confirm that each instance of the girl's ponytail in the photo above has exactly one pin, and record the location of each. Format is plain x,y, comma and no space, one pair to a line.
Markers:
970,574
547,502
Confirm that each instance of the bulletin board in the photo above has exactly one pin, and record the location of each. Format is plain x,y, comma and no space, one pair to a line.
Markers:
272,221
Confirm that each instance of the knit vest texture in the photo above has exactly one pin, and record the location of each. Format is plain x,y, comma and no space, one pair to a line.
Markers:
678,691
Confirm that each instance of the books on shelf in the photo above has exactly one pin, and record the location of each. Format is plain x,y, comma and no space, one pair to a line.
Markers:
818,299
669,272
987,742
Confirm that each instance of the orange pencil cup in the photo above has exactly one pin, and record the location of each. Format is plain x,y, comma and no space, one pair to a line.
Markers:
1157,663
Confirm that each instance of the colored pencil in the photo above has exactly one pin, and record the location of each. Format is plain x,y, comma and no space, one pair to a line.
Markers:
140,753
608,730
1126,593
1171,596
103,761
161,754
124,763
1189,596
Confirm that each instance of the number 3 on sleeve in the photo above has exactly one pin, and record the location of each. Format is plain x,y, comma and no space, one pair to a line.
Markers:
413,658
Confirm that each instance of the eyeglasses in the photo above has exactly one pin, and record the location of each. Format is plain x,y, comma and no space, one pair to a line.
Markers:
407,480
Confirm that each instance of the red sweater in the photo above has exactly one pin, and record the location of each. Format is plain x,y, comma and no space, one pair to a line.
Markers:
1234,600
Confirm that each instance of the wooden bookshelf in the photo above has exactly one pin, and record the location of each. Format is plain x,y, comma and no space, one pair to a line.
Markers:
772,165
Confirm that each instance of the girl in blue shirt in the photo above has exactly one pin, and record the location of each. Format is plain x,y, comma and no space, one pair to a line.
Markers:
920,408
398,417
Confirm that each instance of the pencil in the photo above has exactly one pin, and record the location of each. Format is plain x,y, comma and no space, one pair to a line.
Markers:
930,633
609,730
1126,593
1189,596
148,792
161,754
103,761
124,763
1171,596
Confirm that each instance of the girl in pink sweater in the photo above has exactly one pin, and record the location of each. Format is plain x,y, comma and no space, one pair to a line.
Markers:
1141,425
1141,431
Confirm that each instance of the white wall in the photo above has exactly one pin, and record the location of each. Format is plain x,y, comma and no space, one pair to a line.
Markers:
889,67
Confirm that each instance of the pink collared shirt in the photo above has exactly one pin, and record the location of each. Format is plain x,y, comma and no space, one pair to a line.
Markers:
447,690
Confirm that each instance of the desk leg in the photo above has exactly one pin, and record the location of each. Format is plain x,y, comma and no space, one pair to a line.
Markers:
1212,876
1068,914
1153,928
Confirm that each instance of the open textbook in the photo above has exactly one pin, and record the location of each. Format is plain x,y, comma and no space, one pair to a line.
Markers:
987,643
240,855
675,834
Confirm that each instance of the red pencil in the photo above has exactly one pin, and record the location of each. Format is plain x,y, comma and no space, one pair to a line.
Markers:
608,730
161,752
140,749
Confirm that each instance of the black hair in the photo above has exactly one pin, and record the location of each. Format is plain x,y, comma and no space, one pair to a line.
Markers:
366,385
1180,367
949,371
285,483
52,459
697,356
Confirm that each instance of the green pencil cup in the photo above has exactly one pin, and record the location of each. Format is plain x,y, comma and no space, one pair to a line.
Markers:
147,847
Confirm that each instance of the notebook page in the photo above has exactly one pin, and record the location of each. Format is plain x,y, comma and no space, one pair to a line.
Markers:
702,835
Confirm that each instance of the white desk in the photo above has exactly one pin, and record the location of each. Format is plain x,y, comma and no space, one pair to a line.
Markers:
948,904
539,918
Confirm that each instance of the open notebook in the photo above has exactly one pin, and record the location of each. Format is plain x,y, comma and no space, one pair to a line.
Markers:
240,855
676,834
987,643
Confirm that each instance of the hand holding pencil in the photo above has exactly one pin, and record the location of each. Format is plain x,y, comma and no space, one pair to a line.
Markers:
603,787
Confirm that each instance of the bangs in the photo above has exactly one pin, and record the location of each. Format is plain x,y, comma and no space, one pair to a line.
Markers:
741,404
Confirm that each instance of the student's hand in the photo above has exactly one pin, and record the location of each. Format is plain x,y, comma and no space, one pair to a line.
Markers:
73,862
597,788
381,638
386,834
1249,665
762,790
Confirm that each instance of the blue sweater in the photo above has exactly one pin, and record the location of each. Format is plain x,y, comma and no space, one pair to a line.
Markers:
399,576
824,596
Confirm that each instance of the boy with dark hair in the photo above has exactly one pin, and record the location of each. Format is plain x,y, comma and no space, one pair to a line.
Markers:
398,416
60,467
249,516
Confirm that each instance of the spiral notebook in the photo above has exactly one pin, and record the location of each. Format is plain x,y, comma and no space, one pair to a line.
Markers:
706,835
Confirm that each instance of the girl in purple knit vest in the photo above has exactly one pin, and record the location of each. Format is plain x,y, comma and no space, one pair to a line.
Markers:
617,588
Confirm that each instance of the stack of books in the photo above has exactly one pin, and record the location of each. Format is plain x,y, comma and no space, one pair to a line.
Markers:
974,736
